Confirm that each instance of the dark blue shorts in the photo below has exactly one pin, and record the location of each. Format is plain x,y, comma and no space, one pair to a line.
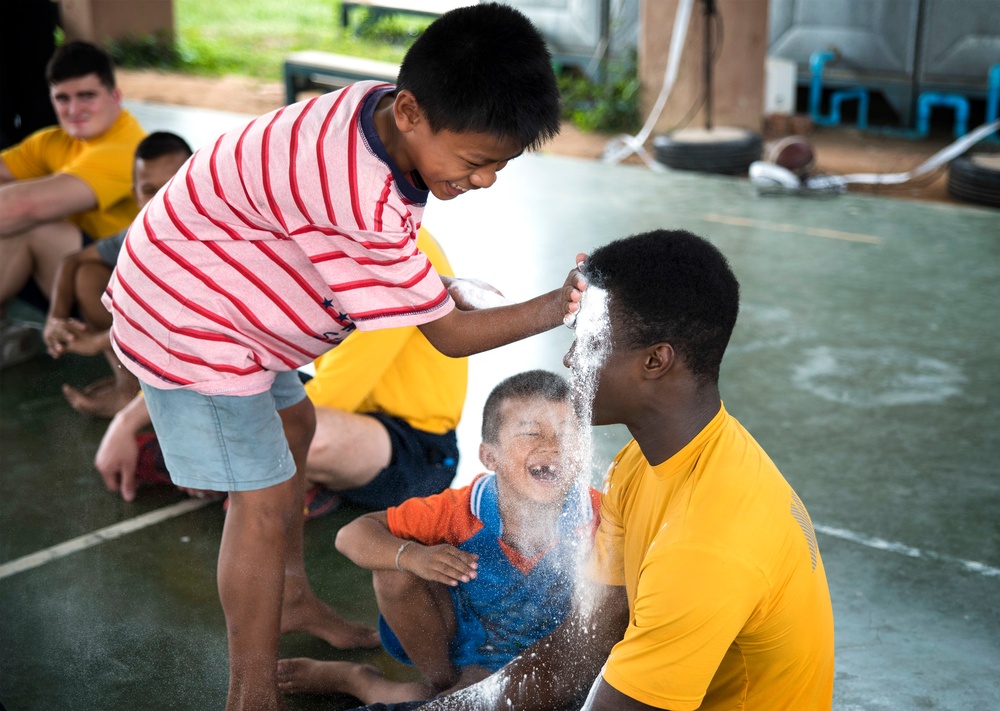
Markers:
422,464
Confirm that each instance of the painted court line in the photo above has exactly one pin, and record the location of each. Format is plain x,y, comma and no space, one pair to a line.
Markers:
909,551
797,229
122,528
109,533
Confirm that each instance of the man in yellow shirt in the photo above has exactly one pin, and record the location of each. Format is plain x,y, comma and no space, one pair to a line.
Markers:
706,588
387,405
65,186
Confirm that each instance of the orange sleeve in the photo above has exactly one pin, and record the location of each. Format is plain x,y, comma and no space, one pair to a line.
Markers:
432,520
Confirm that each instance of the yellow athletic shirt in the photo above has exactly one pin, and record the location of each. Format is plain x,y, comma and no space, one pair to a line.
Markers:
395,371
103,163
728,599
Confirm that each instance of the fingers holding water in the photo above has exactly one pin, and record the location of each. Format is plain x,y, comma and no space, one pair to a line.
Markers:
573,288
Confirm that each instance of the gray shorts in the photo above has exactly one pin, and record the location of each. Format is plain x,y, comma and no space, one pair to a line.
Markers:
225,442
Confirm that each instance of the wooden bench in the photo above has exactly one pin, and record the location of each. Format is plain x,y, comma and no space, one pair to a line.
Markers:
420,8
311,69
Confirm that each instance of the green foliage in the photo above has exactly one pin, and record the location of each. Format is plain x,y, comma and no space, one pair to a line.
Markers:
388,29
144,52
611,104
252,37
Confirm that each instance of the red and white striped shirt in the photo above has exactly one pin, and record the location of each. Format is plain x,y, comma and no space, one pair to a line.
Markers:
268,247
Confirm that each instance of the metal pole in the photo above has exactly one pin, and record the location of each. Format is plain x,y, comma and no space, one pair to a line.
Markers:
707,54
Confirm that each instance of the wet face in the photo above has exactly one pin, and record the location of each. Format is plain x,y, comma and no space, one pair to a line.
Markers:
85,107
528,452
153,174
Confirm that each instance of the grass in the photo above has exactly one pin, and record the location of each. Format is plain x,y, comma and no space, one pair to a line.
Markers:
252,37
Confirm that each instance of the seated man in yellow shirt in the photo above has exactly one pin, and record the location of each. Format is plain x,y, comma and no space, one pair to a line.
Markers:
64,186
387,405
707,590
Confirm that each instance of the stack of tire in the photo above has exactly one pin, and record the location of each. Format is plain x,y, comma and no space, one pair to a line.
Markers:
722,150
975,177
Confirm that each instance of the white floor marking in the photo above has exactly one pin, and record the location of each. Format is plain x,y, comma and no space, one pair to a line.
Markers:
88,540
903,549
109,533
797,229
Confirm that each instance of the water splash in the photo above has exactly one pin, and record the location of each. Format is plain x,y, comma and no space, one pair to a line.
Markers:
590,349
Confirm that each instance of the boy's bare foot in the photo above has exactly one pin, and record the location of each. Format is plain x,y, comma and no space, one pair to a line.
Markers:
362,681
102,398
302,611
311,676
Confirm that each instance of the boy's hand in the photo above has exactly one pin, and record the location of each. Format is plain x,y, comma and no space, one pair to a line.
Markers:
444,563
90,343
472,294
116,459
60,333
572,291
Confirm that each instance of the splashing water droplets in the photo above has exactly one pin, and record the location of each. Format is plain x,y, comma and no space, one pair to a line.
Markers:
590,349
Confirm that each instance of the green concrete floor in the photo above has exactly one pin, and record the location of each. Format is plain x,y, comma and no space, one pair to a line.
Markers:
865,361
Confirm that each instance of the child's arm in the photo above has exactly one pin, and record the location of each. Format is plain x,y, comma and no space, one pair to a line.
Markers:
368,542
463,333
118,452
60,330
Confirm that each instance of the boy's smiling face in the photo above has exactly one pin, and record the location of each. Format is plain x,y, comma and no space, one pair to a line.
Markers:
449,163
527,456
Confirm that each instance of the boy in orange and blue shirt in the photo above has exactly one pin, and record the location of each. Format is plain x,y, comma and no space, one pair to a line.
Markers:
468,579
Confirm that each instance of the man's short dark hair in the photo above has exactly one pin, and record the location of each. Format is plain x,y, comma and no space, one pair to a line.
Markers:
484,69
669,287
531,383
162,143
74,60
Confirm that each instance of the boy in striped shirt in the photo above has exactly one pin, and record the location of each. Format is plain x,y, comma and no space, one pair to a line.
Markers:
278,240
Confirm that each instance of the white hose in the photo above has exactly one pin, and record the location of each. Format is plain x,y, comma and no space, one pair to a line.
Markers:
622,146
945,155
769,178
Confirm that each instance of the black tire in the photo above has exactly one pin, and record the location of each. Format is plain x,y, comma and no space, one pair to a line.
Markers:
975,177
724,150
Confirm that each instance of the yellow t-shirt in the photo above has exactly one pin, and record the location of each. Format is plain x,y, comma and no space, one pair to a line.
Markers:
395,371
728,599
103,163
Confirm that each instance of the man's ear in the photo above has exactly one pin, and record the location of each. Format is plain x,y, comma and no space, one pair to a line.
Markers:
659,360
488,456
407,111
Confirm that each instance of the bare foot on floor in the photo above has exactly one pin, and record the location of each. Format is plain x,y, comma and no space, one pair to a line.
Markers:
362,681
304,612
311,676
102,398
